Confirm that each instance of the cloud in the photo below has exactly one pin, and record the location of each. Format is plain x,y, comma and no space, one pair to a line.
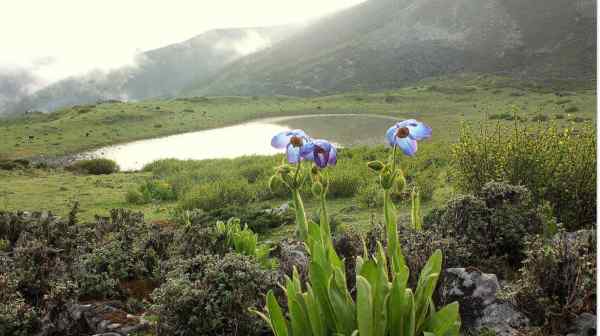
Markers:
251,42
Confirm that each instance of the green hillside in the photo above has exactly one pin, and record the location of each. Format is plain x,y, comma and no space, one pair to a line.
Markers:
384,44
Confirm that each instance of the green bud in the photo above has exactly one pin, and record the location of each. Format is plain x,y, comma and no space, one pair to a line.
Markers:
387,178
400,181
376,165
283,169
314,170
275,182
317,189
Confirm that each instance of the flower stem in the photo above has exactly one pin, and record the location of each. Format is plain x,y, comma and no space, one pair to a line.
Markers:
391,229
300,214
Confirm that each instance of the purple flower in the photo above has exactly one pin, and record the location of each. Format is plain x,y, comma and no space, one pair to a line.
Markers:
322,152
405,135
293,141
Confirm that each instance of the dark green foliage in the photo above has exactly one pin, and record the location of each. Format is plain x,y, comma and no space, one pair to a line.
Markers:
211,295
17,318
493,224
258,219
558,279
95,167
557,165
197,238
572,109
151,191
217,194
539,117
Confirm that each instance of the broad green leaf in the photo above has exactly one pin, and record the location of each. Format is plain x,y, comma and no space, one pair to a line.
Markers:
445,321
277,321
315,314
423,298
396,314
364,307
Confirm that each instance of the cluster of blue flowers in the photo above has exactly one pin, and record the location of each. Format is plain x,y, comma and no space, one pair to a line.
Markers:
299,146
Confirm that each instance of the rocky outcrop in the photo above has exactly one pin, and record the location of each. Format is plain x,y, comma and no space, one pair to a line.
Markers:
105,318
584,325
480,307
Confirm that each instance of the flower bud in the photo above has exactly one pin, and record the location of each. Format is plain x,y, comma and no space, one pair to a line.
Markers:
375,166
400,181
317,189
387,178
275,182
283,169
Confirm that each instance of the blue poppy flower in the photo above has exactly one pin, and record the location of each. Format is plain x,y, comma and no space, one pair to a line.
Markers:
322,152
405,135
293,141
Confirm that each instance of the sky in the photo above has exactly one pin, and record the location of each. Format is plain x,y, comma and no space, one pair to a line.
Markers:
55,39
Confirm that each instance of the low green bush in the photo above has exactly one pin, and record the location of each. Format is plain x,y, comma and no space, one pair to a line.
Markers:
558,280
218,194
151,191
95,167
211,295
492,223
16,316
555,164
258,219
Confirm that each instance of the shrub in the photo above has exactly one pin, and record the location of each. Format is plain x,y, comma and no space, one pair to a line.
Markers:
210,295
555,165
493,224
16,316
558,279
346,181
151,191
95,166
572,109
540,117
369,197
217,194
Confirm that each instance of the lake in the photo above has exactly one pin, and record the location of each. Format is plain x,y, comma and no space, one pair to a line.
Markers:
248,138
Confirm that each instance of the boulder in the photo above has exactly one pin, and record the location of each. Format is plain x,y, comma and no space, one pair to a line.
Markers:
480,308
584,325
291,253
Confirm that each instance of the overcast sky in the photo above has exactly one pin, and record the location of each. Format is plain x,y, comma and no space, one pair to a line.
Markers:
58,38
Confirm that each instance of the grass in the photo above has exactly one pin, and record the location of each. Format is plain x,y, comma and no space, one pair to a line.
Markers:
57,190
443,103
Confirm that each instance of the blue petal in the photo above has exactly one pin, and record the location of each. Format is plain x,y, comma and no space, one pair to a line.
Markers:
281,140
407,145
390,135
306,151
332,156
293,154
418,130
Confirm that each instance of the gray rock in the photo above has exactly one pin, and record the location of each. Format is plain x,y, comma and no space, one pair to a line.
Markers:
479,307
291,253
584,325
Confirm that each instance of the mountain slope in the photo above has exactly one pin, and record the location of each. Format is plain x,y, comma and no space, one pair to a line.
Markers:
388,43
160,72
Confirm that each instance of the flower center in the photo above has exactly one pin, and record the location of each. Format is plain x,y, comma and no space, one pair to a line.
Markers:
296,141
402,132
319,150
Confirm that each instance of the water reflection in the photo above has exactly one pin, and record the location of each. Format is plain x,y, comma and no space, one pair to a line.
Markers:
246,139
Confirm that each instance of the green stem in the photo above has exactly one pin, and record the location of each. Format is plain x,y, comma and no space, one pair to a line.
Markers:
300,214
324,217
391,229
